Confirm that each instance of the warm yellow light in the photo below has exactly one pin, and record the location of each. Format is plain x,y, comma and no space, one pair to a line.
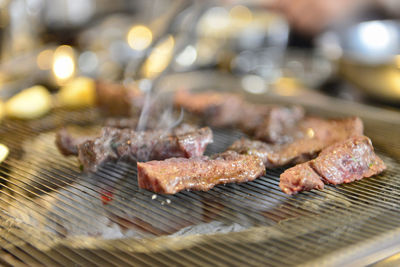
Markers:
287,86
3,152
139,37
63,67
393,78
397,61
241,13
63,63
159,58
44,59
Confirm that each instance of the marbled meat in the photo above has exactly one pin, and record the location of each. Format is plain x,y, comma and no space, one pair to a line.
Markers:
343,162
307,141
68,144
199,173
231,110
115,144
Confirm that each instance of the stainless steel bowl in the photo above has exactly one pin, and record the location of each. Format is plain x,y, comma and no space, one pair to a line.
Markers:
368,56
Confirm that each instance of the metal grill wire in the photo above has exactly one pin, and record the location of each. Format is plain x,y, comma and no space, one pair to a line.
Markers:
53,215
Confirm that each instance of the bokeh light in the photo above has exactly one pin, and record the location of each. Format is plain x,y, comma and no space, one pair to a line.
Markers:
63,63
159,58
44,59
139,37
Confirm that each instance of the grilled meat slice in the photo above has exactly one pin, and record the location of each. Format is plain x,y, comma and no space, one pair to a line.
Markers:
276,130
279,125
277,155
114,144
250,116
309,139
218,109
333,130
200,173
301,177
68,144
343,162
348,161
227,110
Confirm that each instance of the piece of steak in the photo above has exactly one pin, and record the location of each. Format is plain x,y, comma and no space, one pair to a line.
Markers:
275,156
286,126
343,162
218,109
301,177
314,135
251,116
279,126
114,144
68,144
200,173
231,110
332,130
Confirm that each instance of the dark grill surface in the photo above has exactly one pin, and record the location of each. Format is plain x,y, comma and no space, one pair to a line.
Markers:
51,214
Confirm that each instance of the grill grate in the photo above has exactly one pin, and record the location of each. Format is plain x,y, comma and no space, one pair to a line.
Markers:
51,214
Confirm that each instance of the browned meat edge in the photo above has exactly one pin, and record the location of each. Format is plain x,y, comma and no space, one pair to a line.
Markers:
218,109
200,173
343,162
68,144
115,144
311,136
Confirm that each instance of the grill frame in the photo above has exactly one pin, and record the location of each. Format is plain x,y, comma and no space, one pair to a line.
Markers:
254,246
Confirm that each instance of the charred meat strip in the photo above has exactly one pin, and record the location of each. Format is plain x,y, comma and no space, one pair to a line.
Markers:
343,162
115,144
200,173
227,110
310,138
278,125
275,156
251,116
278,131
301,177
219,109
68,144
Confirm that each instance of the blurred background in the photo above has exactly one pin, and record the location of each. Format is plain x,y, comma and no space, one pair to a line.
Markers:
342,48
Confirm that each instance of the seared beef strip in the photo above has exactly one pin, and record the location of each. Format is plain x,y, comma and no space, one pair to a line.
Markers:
275,156
278,124
68,144
343,162
227,110
218,109
250,116
114,144
310,138
301,177
200,173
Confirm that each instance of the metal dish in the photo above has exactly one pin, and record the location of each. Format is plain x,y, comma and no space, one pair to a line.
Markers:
367,55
